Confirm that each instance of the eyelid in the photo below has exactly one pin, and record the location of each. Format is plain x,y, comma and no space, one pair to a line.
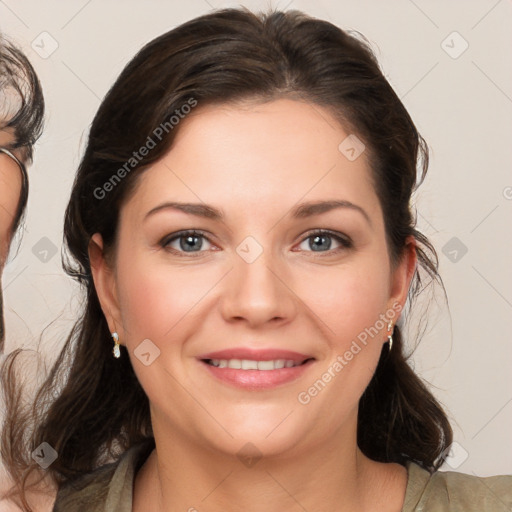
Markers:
166,240
344,240
335,234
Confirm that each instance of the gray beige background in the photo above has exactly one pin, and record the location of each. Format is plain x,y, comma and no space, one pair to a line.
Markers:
450,62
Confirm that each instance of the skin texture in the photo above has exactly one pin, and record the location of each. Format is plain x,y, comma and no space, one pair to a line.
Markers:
255,162
10,190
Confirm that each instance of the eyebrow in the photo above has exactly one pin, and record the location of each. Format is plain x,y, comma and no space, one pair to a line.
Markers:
301,211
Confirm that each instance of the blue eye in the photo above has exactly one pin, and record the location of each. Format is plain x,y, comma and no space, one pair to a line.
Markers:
191,241
322,239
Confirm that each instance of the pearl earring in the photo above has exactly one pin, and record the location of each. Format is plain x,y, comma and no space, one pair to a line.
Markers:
116,350
390,335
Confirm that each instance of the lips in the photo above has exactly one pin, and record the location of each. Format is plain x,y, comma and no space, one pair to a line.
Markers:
237,367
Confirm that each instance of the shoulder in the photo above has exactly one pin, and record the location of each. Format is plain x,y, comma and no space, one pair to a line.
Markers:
456,492
107,488
87,492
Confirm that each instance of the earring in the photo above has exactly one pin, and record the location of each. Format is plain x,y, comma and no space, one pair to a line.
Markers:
390,335
116,350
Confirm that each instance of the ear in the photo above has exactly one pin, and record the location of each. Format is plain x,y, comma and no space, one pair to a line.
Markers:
105,284
402,276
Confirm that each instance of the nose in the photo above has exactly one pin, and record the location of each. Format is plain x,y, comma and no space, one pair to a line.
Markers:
258,292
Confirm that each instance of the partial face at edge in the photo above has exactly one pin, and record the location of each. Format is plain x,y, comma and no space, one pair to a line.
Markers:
10,191
301,293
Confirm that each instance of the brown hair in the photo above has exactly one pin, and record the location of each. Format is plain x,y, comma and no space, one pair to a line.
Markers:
92,407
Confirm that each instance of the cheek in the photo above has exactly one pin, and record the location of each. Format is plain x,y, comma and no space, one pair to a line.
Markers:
348,303
346,300
156,301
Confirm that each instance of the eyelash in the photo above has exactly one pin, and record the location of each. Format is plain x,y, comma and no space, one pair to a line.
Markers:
345,241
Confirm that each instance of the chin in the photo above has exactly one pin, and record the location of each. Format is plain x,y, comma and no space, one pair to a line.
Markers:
267,435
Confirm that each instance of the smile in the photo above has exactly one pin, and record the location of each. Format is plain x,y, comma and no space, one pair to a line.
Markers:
253,375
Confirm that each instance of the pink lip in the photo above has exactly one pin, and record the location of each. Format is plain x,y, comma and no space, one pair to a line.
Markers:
257,379
256,355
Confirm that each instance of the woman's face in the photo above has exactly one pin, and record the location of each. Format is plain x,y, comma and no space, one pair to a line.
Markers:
256,279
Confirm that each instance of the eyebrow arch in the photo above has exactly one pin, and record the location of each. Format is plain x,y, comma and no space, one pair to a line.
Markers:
302,211
315,208
199,209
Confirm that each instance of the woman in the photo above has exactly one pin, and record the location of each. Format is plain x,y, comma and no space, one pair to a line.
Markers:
241,223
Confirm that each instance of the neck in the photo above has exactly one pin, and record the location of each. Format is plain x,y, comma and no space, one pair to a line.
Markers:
334,476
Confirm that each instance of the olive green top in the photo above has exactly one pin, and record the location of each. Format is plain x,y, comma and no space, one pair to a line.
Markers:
110,489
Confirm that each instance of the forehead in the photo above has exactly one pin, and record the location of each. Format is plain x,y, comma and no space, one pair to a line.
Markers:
264,156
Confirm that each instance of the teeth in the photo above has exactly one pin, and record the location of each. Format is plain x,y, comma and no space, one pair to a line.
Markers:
270,365
247,364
